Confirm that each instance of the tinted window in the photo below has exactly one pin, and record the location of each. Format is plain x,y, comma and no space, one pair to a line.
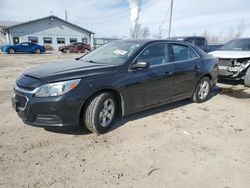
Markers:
155,54
60,40
33,39
237,44
47,40
200,42
182,53
25,44
190,40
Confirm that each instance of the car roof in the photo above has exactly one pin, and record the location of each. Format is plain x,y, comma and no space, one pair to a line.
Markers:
149,41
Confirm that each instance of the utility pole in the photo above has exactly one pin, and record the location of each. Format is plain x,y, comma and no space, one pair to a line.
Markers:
170,18
66,15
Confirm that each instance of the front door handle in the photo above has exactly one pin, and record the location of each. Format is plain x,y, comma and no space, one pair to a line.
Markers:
168,73
196,67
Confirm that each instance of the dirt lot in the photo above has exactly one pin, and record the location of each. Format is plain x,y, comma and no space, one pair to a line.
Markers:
177,145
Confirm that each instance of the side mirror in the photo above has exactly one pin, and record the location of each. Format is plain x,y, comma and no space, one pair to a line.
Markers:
140,65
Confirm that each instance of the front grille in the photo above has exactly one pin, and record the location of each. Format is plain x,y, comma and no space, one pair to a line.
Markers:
21,100
225,62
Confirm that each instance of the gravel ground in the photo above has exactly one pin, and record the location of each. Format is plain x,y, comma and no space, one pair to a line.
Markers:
177,145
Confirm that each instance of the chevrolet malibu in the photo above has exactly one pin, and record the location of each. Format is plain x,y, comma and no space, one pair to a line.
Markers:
117,79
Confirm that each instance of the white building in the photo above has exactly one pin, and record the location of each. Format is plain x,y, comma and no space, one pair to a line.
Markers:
51,31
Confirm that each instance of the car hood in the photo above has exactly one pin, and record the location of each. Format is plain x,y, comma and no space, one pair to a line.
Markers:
67,70
231,54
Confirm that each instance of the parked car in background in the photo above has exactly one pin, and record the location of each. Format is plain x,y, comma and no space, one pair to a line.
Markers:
200,42
76,47
25,47
116,79
234,60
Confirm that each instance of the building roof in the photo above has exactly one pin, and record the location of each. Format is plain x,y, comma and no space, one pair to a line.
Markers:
49,17
4,23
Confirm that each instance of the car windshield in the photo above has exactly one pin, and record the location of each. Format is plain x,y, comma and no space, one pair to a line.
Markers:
116,52
237,45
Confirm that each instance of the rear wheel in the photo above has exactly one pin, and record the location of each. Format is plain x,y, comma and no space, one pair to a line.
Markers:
37,51
202,90
100,113
247,78
11,51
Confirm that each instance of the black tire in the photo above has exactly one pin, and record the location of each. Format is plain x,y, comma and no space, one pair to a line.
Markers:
37,51
247,78
199,96
92,115
11,51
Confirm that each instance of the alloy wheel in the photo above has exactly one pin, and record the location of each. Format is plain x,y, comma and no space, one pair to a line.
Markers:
203,89
106,114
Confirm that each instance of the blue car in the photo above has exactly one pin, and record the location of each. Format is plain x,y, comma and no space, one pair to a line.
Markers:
25,47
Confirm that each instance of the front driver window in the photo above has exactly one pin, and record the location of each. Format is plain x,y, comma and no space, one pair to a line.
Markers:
155,54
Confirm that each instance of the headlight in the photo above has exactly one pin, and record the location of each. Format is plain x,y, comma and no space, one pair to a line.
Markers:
56,89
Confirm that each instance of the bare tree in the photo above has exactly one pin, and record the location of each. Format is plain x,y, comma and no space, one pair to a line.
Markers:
136,32
139,32
221,37
145,32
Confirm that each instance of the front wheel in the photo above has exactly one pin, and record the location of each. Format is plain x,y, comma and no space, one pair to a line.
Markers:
247,78
11,51
100,113
202,90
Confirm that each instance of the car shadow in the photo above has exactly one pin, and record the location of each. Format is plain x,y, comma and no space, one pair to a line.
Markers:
70,131
122,121
157,110
236,92
231,82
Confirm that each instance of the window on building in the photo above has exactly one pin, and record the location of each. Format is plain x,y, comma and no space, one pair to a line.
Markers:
16,40
47,40
60,40
85,40
33,39
72,40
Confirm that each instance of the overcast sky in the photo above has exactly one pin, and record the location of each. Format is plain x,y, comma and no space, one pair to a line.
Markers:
109,18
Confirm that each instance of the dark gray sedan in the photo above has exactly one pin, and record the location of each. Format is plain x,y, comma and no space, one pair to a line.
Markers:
119,78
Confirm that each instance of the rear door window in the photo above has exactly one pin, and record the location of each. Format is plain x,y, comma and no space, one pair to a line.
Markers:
182,53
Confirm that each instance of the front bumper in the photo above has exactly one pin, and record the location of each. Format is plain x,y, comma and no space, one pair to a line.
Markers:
61,111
